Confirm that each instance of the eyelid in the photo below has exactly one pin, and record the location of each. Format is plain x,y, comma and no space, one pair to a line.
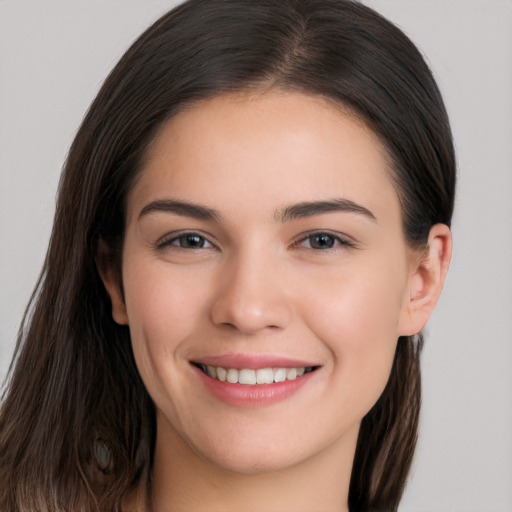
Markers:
343,240
167,239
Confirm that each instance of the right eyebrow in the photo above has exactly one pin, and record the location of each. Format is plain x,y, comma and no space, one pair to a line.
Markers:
181,208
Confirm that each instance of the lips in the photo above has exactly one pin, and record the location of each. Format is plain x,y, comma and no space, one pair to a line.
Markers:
253,380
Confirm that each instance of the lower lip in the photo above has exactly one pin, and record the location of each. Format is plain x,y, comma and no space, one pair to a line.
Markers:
258,395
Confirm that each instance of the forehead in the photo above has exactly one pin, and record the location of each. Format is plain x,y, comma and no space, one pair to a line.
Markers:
265,149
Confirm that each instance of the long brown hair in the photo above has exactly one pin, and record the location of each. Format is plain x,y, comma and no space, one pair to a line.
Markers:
77,426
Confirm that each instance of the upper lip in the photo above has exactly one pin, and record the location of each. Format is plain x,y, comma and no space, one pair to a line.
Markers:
253,361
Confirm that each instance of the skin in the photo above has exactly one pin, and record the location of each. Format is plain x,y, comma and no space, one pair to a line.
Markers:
259,283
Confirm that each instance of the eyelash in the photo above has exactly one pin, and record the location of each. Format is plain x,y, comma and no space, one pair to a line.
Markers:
181,237
337,241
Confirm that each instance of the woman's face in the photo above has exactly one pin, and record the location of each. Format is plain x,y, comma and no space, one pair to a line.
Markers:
264,244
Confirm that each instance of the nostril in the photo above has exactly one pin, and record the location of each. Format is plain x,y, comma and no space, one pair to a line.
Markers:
249,318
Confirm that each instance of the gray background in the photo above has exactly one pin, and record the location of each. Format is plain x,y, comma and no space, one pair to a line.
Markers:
55,54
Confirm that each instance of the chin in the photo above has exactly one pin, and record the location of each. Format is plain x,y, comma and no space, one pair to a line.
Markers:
257,451
244,463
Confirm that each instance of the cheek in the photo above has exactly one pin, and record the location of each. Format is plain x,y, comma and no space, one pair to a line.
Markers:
160,298
165,308
356,316
357,301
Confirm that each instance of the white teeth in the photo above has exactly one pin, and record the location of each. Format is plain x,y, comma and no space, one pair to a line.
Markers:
232,376
221,374
291,374
251,377
280,375
247,377
264,376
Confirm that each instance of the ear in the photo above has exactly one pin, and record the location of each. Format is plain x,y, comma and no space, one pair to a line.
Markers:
426,281
111,276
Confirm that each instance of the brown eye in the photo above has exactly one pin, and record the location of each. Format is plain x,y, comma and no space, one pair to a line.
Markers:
321,241
187,241
191,241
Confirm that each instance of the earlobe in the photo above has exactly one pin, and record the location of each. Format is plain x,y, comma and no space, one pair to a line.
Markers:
426,281
110,275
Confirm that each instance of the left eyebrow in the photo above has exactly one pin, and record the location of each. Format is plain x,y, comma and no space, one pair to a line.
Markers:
309,209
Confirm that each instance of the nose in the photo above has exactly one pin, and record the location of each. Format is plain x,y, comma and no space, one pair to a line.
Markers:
252,295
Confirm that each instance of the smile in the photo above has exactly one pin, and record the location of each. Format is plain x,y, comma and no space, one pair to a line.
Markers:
249,380
254,377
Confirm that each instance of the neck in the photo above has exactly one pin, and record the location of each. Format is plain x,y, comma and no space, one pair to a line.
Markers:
183,481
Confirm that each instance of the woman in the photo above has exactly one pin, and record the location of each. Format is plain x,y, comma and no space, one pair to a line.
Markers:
252,230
